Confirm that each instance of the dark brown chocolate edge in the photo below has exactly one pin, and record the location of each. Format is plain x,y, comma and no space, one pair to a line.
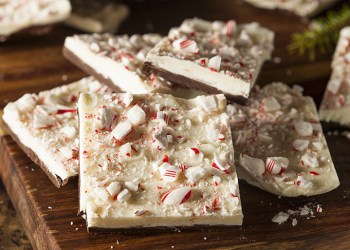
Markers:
149,68
154,230
68,54
57,181
36,30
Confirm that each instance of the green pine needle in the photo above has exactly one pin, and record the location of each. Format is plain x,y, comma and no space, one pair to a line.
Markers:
322,34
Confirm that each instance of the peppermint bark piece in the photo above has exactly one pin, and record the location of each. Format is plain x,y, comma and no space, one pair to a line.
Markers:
17,15
161,161
117,62
280,144
214,57
97,16
299,7
335,106
45,126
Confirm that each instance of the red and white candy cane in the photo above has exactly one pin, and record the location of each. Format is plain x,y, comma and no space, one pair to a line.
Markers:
229,28
177,196
186,45
169,172
276,165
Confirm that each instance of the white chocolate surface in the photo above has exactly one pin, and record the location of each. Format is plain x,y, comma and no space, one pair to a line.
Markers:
16,15
161,172
223,56
299,7
47,123
335,106
290,134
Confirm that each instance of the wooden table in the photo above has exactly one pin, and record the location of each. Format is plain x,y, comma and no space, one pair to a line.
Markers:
32,64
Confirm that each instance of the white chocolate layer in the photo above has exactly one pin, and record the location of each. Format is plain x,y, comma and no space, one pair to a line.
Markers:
287,132
105,19
300,7
16,15
163,169
226,57
335,106
47,123
120,58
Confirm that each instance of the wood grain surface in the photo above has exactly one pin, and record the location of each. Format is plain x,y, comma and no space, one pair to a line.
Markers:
49,215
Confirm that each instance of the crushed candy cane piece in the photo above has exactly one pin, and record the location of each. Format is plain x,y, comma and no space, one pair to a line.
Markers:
177,196
317,145
300,145
122,130
169,172
187,45
303,128
160,138
310,160
214,63
133,185
127,99
125,150
229,28
270,104
209,103
202,61
124,195
141,212
193,174
253,165
136,115
114,188
276,165
69,131
303,182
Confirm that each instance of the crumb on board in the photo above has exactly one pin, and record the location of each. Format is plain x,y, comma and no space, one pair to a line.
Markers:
304,211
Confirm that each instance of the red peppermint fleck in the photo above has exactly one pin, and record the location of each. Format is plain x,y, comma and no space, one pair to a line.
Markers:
229,27
166,158
314,173
128,154
73,98
196,150
133,149
183,167
62,111
186,43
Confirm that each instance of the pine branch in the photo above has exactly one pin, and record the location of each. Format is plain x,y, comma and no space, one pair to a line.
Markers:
322,34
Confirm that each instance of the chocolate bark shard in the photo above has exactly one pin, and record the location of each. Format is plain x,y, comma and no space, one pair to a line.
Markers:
165,161
117,62
335,106
45,125
17,15
216,57
299,7
280,144
97,16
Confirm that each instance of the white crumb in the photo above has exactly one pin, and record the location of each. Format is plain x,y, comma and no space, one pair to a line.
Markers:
205,238
76,229
71,223
277,59
49,207
294,222
64,77
280,218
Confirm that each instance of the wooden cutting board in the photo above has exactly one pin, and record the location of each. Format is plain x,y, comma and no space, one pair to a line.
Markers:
49,215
